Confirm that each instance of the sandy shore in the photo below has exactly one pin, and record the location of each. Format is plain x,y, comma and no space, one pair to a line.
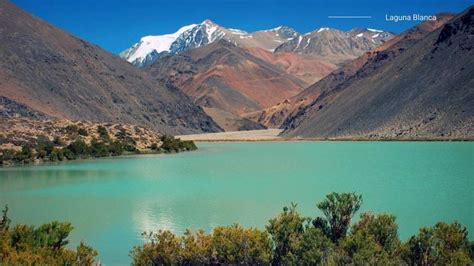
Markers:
251,135
273,135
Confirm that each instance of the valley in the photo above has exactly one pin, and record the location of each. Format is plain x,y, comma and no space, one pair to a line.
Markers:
168,133
325,84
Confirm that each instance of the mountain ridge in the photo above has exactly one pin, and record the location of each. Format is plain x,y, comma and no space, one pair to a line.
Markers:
226,77
152,47
403,92
56,74
275,116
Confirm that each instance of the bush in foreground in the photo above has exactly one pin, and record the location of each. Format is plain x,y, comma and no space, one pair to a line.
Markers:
291,239
43,245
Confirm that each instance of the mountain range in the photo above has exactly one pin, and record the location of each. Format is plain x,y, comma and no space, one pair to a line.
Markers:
357,84
332,44
276,115
231,73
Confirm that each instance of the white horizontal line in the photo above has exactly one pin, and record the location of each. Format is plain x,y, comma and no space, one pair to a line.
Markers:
349,16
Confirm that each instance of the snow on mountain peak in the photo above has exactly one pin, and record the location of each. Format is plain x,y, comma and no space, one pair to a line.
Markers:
374,30
275,29
153,44
208,22
237,31
150,48
322,29
185,28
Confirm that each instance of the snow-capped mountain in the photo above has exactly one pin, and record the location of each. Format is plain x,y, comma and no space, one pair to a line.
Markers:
335,45
376,36
150,48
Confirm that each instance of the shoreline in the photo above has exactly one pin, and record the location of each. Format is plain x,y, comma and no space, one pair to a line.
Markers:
334,140
272,135
125,155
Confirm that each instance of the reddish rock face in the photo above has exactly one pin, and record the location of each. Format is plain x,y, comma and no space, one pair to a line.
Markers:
224,76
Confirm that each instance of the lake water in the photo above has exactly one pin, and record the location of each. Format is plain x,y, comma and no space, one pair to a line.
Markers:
111,201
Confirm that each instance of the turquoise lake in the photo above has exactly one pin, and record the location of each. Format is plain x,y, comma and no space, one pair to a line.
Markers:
111,201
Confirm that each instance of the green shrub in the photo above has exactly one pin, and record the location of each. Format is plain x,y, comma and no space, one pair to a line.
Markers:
338,210
162,249
103,133
71,129
51,150
315,248
226,245
81,131
291,239
79,148
442,244
154,147
43,245
286,231
68,154
170,144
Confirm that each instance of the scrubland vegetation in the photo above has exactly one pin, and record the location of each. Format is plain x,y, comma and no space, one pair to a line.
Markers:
84,146
288,239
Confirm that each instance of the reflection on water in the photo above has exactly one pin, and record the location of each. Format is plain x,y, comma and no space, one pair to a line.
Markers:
112,201
146,218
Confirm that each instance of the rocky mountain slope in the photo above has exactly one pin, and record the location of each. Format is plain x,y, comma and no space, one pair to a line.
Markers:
417,91
275,116
232,122
150,48
305,67
226,77
336,46
46,70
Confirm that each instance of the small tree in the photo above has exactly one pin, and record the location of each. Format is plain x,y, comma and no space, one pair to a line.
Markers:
196,248
443,244
315,248
53,235
338,209
103,133
85,255
163,248
236,245
373,240
287,231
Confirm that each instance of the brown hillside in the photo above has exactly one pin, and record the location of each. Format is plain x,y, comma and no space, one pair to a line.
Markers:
419,88
54,73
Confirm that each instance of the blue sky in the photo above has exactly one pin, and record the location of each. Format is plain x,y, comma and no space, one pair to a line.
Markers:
117,24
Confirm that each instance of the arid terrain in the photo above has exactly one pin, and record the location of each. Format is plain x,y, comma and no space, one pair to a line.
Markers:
405,91
249,135
17,132
54,73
